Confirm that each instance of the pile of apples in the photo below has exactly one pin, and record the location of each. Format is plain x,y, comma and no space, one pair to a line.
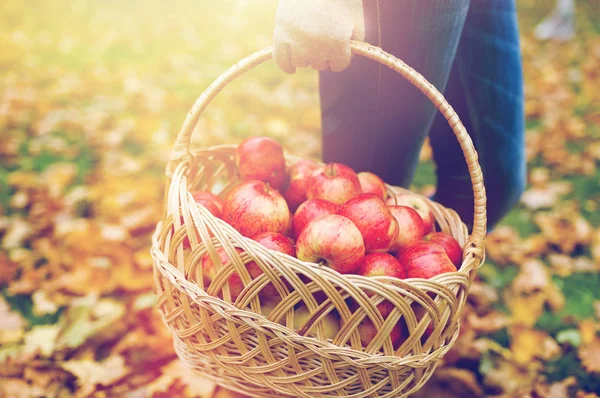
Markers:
330,214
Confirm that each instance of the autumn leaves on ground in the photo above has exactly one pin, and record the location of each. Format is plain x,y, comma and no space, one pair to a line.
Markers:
91,97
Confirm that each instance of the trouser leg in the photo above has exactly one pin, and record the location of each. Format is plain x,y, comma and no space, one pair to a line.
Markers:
372,118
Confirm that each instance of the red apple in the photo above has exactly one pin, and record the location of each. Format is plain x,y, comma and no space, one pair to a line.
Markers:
372,183
299,173
419,314
334,182
333,239
273,241
209,271
212,202
374,220
381,264
450,245
254,207
425,260
330,323
308,211
267,307
417,203
261,158
410,224
368,331
288,228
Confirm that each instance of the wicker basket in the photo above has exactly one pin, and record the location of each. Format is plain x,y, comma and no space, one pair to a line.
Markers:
238,347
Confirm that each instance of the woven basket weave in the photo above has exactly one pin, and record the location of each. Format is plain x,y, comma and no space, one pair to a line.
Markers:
237,346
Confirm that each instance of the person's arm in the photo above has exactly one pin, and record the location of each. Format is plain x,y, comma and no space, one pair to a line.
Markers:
316,33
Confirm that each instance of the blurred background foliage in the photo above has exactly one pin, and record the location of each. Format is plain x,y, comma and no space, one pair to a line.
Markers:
92,94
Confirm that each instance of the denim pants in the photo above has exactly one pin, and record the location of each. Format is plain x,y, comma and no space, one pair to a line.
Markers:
374,120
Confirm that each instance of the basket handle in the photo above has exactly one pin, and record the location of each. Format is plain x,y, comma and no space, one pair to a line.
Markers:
181,149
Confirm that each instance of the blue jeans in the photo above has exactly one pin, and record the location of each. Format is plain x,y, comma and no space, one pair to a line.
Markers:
374,120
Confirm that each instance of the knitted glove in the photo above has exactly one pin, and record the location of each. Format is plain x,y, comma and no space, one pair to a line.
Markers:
560,24
316,33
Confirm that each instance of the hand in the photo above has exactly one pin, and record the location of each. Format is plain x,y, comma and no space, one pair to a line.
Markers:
316,33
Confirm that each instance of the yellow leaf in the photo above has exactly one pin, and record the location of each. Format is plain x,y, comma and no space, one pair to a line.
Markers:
8,268
87,317
15,388
525,310
18,231
42,304
195,384
546,197
557,390
488,323
11,324
42,339
222,392
589,354
91,374
539,177
555,298
533,277
58,176
511,379
595,246
527,344
160,384
451,382
588,329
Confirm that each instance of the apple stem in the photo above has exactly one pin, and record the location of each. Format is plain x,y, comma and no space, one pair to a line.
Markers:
267,187
330,170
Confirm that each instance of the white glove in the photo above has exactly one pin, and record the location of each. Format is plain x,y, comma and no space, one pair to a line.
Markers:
560,24
316,33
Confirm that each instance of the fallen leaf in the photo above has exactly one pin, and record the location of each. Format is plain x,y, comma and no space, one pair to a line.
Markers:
589,354
584,394
41,339
42,304
564,228
58,176
555,298
195,385
222,392
595,246
588,329
8,269
88,317
525,310
12,325
90,374
546,197
488,323
16,234
451,382
570,336
510,378
482,295
15,388
539,177
527,344
46,379
532,278
561,389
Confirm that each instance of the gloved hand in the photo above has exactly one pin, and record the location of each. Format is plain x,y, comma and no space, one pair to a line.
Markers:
316,33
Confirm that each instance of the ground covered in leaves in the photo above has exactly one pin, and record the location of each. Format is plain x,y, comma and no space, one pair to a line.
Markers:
91,97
